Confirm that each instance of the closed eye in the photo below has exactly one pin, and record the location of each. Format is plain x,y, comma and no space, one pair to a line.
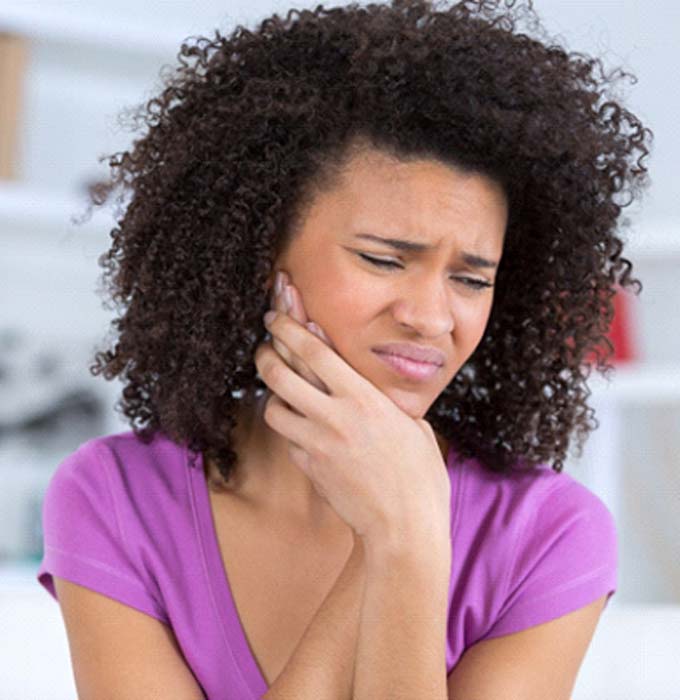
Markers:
471,282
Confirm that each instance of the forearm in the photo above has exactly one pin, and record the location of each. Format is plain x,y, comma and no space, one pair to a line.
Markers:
322,665
401,648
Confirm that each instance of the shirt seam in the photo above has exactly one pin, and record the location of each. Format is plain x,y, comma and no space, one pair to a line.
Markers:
97,565
577,583
109,492
460,488
121,533
521,538
189,467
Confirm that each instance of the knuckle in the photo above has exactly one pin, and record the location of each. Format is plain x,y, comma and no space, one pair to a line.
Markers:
269,406
279,347
274,372
266,366
269,413
261,353
344,422
359,405
312,350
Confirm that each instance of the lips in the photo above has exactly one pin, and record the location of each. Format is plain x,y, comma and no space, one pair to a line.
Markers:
410,369
417,353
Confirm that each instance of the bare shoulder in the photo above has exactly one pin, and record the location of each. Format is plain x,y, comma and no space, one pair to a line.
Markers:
119,652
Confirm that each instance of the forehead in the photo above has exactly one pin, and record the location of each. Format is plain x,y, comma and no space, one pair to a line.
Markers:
389,176
416,199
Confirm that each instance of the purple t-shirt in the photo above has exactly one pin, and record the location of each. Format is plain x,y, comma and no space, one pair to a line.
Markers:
134,522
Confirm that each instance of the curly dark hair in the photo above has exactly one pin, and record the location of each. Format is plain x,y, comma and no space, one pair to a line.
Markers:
251,127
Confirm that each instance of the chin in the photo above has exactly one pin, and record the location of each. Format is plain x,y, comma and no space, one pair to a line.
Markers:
414,403
411,404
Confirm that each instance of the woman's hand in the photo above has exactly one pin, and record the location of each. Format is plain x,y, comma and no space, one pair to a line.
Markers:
381,470
295,308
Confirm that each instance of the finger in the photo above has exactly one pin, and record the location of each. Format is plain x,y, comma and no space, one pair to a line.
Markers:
289,386
297,309
298,366
302,433
298,454
297,312
340,378
319,332
277,302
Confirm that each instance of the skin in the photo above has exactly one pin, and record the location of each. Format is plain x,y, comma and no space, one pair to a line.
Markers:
429,301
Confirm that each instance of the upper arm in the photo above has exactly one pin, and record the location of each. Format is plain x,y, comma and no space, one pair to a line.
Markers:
537,663
120,653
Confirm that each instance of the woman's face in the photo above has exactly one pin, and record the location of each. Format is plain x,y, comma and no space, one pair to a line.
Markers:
432,297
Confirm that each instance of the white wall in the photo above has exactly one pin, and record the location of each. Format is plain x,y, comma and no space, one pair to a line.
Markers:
639,35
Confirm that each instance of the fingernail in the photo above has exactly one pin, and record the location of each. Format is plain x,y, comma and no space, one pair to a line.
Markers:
278,283
287,299
316,330
325,338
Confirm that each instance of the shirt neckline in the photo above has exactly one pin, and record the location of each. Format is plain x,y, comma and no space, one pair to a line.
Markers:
218,578
219,585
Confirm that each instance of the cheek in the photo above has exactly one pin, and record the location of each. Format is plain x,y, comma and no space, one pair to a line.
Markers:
344,302
471,327
345,316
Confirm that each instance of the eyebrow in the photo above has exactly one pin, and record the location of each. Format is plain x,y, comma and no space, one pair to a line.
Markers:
410,246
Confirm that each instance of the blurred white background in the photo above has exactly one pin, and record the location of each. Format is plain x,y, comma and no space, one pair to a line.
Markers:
67,70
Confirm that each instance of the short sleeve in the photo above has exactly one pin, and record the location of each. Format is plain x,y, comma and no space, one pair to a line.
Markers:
565,559
82,535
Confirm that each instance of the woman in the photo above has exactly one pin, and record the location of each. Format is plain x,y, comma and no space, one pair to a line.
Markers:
354,500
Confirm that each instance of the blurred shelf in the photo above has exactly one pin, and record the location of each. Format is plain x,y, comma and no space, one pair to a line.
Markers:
658,238
76,25
28,206
44,211
639,384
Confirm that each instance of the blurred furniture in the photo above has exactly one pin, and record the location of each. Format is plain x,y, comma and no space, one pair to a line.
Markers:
13,58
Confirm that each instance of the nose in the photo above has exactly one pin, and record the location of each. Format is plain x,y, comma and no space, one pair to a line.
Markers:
425,306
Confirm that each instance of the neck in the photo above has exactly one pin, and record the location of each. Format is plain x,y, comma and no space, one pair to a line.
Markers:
266,477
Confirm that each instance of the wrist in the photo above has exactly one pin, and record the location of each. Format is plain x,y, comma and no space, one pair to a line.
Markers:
422,547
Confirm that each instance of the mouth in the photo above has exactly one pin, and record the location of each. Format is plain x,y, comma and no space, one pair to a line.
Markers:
406,367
